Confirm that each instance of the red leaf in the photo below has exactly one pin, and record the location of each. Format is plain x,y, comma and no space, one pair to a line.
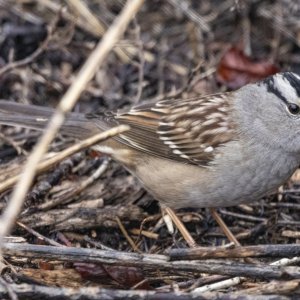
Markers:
124,276
237,69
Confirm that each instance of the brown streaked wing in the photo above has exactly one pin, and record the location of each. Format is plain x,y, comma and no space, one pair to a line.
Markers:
143,132
187,130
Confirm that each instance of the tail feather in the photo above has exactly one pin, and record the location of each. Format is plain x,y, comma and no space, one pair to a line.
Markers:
37,117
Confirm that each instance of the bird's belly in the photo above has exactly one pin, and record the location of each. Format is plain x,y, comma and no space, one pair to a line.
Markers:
182,185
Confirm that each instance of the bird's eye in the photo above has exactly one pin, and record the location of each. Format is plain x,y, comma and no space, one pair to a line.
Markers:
293,108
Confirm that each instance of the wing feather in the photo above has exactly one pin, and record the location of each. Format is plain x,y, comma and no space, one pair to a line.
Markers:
188,130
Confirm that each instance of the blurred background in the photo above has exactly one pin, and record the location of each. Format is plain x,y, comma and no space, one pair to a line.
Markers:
173,47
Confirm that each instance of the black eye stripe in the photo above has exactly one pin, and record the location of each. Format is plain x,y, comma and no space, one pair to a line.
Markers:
273,86
269,82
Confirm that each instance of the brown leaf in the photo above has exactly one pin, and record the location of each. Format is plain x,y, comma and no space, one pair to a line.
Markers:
124,276
237,69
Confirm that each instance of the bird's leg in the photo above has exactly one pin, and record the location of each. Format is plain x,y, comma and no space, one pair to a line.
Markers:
224,227
182,229
187,236
229,234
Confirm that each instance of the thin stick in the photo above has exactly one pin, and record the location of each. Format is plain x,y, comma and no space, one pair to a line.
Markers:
128,238
89,20
45,165
27,60
186,235
153,261
11,293
39,236
94,61
224,227
267,250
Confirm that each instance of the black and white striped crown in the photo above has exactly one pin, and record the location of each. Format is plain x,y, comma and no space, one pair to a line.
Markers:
286,86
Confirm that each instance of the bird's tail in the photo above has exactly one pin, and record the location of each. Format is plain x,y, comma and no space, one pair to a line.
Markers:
37,117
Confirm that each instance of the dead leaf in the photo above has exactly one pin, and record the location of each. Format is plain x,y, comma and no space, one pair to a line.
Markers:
237,69
124,276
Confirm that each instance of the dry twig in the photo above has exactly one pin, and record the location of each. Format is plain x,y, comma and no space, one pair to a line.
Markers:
94,61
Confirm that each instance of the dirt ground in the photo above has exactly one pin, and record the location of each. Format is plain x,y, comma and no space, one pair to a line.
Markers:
88,229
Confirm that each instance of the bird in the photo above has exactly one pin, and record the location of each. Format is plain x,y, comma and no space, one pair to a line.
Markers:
208,151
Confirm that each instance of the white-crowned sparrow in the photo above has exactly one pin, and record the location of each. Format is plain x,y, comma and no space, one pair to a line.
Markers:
211,151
